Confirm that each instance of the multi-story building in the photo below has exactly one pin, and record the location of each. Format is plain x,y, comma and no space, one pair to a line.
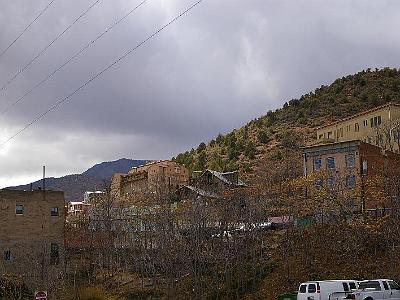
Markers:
156,177
32,235
348,166
368,126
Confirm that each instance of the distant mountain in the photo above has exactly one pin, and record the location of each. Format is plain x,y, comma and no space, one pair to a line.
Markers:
95,178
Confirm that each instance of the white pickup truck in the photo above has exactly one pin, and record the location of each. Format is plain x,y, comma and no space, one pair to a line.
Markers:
377,289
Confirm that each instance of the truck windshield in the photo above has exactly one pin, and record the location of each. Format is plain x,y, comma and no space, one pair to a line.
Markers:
369,285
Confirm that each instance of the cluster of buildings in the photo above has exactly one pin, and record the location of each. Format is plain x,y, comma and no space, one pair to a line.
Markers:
33,222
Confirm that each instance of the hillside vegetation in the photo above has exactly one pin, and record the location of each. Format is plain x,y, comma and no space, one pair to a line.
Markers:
279,134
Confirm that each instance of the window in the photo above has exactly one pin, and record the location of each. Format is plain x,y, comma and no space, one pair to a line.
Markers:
356,127
385,285
303,289
54,254
345,287
350,160
317,184
370,285
371,121
312,288
379,120
19,209
317,164
393,285
366,123
351,181
320,136
330,163
7,255
331,181
54,212
352,285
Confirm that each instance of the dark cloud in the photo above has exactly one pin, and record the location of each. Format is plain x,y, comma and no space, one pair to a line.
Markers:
226,62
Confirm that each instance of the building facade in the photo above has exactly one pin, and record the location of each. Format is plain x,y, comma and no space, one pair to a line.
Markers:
349,166
369,126
32,235
155,177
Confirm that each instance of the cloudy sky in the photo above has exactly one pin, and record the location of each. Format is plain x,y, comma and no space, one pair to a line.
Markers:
224,63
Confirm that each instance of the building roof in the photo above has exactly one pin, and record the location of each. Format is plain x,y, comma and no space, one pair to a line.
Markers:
201,192
223,178
359,114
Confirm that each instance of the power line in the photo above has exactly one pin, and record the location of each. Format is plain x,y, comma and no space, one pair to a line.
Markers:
96,76
48,46
91,43
27,27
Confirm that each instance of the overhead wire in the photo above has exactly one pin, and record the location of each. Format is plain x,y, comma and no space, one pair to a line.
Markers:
78,53
97,75
26,28
4,86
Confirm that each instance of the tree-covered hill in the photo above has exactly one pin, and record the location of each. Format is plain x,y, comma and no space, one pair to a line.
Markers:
272,137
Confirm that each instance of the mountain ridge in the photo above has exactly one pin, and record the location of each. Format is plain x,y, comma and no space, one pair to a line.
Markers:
75,185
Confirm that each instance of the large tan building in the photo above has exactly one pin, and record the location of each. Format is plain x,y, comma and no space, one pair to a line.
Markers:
32,236
155,177
367,126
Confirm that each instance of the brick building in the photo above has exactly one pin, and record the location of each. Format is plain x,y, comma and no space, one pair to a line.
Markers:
368,126
32,235
156,177
350,165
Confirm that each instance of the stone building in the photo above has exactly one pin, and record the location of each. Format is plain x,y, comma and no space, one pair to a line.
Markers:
368,126
32,235
348,166
155,177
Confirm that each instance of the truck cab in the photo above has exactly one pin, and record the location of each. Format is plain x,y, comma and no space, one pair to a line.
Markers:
377,289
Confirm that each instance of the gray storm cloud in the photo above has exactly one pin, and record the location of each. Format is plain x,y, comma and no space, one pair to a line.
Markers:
223,64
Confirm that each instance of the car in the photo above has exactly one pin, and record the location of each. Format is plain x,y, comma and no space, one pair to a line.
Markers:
326,290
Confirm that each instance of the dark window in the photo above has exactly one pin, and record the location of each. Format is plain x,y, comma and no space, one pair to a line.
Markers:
351,181
345,287
317,164
54,254
330,163
318,184
385,285
54,212
19,209
312,288
331,181
371,121
7,255
379,120
350,160
370,285
303,289
356,127
352,285
393,285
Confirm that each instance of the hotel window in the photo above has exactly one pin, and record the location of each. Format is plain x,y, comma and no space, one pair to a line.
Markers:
330,163
54,212
317,164
356,127
7,255
19,209
351,181
350,161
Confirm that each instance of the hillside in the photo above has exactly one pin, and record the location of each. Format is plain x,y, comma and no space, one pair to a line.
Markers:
95,178
278,135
